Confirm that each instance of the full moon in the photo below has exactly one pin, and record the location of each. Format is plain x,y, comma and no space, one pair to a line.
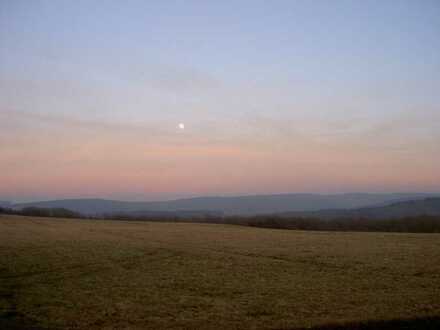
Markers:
181,126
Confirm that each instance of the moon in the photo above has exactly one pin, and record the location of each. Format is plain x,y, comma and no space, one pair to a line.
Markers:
181,126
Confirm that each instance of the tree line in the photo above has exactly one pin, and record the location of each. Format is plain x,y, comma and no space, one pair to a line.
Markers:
419,224
42,212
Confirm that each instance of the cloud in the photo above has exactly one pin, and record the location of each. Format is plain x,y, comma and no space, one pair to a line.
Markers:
177,79
67,121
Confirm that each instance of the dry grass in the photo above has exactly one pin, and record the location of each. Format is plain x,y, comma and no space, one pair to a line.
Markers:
57,273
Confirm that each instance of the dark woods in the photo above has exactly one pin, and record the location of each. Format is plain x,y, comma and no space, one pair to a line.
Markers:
419,224
43,212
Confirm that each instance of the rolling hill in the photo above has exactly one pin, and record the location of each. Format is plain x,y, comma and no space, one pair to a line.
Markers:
238,205
402,209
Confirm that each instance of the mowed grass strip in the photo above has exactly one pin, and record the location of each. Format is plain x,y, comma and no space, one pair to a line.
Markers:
88,274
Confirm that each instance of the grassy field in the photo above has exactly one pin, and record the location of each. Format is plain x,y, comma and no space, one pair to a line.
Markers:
88,274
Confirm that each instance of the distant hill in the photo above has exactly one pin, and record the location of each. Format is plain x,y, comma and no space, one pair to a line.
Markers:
142,215
239,205
5,204
413,208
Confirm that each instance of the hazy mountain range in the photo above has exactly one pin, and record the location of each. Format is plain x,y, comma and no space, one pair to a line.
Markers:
5,204
413,208
299,204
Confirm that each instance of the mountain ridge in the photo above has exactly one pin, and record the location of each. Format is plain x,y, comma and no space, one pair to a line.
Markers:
412,208
233,205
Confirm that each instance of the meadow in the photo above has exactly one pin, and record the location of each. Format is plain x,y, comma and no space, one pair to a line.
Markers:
99,274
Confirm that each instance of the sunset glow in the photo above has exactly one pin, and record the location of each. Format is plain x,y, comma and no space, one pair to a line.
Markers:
275,98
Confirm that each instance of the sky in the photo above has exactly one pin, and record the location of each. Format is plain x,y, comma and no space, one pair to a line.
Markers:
275,97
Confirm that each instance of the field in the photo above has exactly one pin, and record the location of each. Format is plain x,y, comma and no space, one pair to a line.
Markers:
94,274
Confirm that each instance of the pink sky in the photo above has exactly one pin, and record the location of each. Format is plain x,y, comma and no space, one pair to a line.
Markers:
51,157
284,96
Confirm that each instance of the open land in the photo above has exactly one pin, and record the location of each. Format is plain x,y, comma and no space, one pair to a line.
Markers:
98,274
